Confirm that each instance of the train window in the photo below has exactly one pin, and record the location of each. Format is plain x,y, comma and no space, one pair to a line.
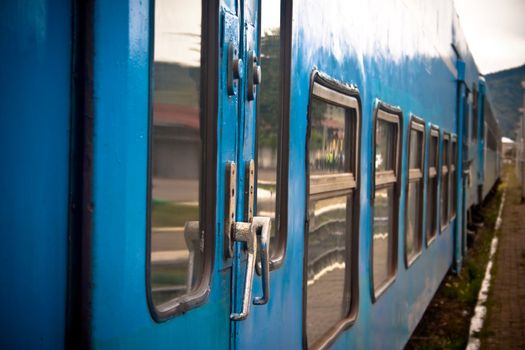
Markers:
414,202
445,183
332,226
385,196
178,240
475,113
432,183
272,123
453,176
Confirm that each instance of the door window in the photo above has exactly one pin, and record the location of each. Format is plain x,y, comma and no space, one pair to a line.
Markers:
177,241
272,125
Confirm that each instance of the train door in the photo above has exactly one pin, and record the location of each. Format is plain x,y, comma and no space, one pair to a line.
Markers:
181,247
463,162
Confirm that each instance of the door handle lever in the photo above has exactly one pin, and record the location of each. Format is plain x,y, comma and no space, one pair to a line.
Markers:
251,233
263,237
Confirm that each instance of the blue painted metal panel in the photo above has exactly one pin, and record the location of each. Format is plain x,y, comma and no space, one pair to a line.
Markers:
35,67
382,49
460,224
384,52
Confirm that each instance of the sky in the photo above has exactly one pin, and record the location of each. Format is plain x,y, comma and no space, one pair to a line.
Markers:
495,32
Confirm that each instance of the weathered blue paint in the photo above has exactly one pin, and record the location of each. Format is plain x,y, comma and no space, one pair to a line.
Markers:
460,226
35,83
381,49
400,57
396,51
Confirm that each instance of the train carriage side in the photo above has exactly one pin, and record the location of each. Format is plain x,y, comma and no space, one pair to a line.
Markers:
405,70
376,116
490,149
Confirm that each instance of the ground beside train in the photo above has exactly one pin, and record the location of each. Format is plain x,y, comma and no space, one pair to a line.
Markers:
446,322
505,322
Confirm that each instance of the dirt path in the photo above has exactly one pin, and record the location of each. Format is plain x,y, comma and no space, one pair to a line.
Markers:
505,324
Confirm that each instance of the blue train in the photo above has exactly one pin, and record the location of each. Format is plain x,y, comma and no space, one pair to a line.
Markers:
234,174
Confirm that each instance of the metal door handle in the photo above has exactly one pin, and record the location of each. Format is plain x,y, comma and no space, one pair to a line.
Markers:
263,236
250,233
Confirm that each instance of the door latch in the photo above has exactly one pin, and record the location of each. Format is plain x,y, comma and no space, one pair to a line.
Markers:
234,69
254,236
254,75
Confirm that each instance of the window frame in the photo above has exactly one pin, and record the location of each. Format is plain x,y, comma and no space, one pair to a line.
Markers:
281,201
434,132
418,124
453,178
475,112
391,114
444,218
207,187
333,92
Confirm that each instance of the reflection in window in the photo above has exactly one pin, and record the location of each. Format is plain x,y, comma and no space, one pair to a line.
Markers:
269,115
385,205
328,297
383,236
385,145
413,243
475,97
414,229
453,177
176,248
444,181
327,139
433,148
416,149
333,128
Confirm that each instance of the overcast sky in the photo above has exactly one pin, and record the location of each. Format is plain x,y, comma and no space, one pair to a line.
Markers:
495,32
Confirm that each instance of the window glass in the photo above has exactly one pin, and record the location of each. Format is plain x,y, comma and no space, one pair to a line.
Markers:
445,182
385,205
432,152
328,300
329,269
413,243
432,187
416,149
444,199
383,239
453,190
414,195
385,145
269,116
446,154
475,96
431,208
176,260
327,138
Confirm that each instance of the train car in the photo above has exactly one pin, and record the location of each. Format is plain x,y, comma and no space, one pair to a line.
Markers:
483,163
492,150
234,174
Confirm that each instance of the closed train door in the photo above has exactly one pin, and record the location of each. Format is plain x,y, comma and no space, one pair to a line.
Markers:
186,221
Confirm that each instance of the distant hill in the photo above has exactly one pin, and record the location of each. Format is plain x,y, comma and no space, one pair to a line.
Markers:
506,96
